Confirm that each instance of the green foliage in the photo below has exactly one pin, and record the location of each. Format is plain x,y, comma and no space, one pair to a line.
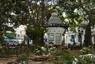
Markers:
63,58
79,11
86,59
85,50
69,58
35,33
46,50
76,11
41,50
66,58
22,60
31,33
23,12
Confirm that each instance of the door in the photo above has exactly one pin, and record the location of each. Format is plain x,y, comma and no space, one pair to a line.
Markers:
51,38
58,38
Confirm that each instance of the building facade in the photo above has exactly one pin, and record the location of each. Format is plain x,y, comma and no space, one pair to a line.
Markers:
55,30
75,38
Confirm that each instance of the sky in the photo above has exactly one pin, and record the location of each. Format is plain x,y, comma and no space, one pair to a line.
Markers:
53,2
49,1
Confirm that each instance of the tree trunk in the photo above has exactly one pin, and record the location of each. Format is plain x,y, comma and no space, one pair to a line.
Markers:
1,37
42,40
42,13
87,41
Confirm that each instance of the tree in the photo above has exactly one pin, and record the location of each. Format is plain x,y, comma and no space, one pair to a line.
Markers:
38,12
89,7
86,7
4,14
35,34
27,12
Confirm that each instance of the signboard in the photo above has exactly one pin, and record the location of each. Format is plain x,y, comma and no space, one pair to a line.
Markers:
10,38
10,35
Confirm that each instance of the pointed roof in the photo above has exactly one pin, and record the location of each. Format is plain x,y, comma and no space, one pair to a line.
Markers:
54,19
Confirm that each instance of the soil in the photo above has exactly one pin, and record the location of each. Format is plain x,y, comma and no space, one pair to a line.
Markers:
13,59
30,61
6,60
75,52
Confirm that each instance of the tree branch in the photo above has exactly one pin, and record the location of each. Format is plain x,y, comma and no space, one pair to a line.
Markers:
81,5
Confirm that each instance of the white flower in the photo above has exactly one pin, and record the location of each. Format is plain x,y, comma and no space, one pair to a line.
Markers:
43,48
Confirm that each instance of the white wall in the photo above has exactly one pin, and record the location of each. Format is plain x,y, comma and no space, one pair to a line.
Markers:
68,37
55,31
20,32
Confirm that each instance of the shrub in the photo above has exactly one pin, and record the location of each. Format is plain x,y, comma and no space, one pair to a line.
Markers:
66,58
85,50
86,59
62,57
22,59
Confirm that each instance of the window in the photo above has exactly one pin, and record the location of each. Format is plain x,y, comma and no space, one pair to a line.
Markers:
51,38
